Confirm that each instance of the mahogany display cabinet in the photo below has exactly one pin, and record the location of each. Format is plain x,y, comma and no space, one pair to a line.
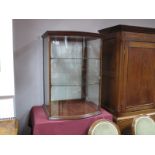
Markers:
72,74
128,87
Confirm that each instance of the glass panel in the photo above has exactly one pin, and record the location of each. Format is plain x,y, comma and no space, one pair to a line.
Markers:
46,72
65,49
72,108
66,71
65,92
93,48
93,71
93,93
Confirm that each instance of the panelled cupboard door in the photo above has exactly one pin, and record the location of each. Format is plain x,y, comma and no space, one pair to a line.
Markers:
139,75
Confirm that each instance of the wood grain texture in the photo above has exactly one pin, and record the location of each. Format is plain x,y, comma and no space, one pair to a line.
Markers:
128,72
71,33
109,75
127,28
9,127
140,75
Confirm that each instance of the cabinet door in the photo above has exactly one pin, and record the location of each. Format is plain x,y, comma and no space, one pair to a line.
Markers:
139,75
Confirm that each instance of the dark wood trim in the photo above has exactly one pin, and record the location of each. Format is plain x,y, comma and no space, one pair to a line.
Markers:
137,112
69,38
119,73
74,117
71,33
139,107
127,28
68,117
84,69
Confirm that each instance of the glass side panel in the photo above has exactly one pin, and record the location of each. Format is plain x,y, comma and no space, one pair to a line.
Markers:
93,71
93,93
46,71
72,109
93,48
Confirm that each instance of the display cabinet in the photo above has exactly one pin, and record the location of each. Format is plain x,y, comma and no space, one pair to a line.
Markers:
72,74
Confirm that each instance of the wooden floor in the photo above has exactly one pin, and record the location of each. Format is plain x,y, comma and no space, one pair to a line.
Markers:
72,108
9,127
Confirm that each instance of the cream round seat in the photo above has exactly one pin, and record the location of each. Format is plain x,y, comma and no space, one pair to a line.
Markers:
103,127
143,125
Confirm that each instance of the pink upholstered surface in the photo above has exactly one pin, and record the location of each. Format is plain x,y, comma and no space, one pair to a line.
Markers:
42,126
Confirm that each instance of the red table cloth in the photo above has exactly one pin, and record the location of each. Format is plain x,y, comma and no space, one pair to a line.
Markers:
41,125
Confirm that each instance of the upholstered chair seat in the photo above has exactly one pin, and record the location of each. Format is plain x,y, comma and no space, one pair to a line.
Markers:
143,125
103,127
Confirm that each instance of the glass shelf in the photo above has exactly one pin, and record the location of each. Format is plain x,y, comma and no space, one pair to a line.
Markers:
95,83
78,58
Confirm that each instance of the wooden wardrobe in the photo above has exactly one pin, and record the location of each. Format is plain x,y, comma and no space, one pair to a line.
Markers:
128,87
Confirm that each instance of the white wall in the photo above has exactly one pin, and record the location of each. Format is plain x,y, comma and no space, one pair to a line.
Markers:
6,71
28,56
